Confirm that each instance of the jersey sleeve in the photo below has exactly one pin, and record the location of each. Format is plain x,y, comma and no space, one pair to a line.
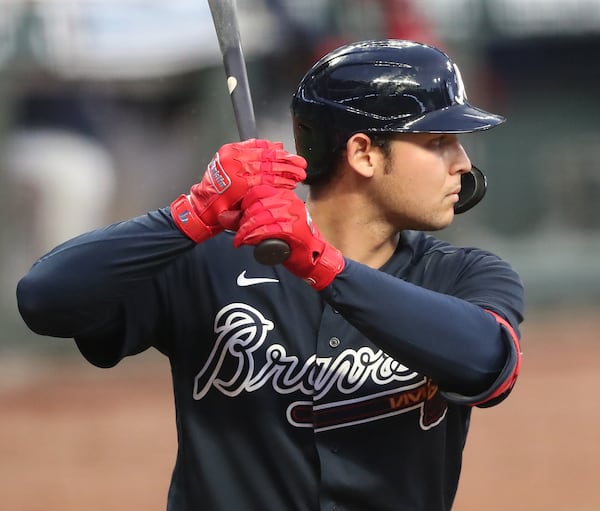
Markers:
507,378
489,282
454,319
101,289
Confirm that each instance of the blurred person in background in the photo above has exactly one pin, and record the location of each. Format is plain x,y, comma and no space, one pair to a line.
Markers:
54,153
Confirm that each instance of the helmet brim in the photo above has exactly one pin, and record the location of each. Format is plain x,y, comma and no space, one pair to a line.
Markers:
458,118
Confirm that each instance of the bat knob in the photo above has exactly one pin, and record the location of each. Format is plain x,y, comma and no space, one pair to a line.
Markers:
271,252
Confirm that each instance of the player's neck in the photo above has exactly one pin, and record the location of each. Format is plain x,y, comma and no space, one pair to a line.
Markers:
343,220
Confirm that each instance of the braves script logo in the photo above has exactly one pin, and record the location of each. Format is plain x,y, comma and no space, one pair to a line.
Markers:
218,177
241,330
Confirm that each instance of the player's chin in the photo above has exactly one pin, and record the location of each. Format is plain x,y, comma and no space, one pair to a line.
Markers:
435,222
447,213
439,221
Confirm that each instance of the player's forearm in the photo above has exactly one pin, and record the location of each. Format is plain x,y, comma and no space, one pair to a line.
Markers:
79,285
454,342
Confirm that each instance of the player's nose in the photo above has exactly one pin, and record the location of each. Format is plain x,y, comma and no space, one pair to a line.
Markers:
461,163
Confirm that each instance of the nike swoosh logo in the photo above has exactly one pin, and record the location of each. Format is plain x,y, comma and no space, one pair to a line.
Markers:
244,281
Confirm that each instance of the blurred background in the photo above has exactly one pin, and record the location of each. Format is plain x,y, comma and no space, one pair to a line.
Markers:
112,108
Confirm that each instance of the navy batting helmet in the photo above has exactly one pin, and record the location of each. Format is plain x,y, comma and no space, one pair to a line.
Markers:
387,86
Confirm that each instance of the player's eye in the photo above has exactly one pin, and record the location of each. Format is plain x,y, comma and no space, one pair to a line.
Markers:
437,141
440,141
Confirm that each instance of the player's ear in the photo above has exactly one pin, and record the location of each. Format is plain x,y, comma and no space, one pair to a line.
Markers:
362,155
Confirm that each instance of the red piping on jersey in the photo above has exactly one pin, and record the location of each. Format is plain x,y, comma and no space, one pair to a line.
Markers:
510,380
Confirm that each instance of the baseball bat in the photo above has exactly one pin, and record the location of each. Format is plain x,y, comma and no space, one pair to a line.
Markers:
269,252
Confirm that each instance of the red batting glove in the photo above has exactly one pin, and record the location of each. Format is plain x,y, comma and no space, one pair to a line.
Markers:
235,168
275,213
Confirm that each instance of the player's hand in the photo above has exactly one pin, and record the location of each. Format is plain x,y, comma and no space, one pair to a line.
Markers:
213,204
276,213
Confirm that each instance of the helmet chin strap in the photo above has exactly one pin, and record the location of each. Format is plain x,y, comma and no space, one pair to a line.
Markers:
473,188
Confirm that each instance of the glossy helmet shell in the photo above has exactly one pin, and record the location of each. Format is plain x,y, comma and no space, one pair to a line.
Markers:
386,86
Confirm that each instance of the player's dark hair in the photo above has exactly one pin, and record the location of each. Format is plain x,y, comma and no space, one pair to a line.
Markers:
383,141
319,180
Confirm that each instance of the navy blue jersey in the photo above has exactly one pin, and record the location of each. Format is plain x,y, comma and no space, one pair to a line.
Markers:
354,398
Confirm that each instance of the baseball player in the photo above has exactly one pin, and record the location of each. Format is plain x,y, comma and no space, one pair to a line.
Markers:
344,378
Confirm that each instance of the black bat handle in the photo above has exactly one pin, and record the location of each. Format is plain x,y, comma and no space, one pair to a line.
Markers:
239,91
269,252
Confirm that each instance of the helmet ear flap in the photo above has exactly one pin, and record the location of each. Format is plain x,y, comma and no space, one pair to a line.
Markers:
473,188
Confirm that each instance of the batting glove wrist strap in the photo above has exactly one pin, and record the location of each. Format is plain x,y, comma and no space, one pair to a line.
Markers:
328,265
188,221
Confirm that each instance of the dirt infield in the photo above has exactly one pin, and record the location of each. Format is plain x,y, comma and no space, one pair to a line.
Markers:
76,438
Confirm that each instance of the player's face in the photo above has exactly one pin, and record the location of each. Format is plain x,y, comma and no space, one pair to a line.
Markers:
418,184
